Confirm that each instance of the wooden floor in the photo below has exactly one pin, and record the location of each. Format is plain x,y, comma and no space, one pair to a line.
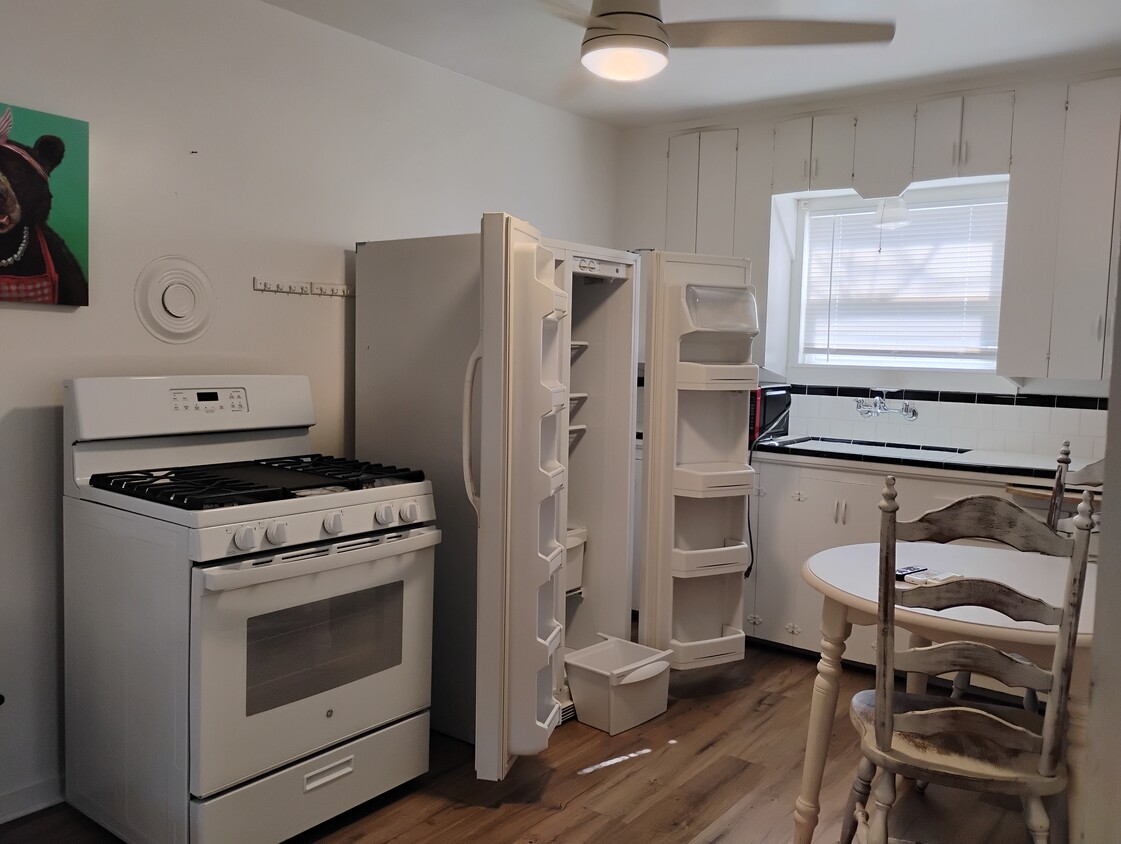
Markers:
723,764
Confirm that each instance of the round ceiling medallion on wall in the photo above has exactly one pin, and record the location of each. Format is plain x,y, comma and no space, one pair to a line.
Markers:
174,299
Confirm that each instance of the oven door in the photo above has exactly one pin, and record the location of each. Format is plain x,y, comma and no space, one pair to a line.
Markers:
294,652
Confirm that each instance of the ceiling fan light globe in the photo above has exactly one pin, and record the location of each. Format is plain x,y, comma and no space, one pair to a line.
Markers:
624,58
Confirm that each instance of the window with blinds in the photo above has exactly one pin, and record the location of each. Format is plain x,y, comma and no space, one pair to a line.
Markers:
920,291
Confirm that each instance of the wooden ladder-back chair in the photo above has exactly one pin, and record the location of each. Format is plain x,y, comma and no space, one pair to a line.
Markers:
1090,475
969,745
1063,478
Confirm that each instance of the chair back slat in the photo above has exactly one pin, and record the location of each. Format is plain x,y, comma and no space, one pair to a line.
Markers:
970,722
977,592
1092,474
986,517
989,517
977,658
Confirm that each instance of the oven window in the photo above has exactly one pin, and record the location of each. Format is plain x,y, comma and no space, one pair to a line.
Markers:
301,651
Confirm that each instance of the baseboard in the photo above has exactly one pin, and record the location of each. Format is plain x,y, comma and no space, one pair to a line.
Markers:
16,804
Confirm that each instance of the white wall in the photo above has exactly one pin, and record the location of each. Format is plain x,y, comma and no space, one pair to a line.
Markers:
253,142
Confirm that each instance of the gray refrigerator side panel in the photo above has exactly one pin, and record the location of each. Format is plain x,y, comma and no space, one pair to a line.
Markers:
417,317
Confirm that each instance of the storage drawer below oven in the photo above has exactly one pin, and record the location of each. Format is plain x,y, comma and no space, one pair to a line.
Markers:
279,805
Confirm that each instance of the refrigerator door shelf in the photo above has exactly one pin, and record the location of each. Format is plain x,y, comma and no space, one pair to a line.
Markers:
717,376
713,479
732,557
724,309
728,647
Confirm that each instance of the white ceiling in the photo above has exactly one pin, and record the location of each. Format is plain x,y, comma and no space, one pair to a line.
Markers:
520,46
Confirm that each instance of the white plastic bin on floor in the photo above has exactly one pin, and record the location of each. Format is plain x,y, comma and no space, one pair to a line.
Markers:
618,684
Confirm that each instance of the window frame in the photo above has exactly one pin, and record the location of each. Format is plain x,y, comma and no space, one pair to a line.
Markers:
948,190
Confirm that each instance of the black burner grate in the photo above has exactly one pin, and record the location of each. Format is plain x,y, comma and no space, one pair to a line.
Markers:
251,482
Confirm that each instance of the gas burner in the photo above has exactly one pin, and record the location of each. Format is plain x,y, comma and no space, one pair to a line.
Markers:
356,474
251,482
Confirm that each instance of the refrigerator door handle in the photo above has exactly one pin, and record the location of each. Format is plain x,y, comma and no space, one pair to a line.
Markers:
468,391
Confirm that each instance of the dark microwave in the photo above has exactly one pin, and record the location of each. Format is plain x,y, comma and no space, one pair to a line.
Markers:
770,412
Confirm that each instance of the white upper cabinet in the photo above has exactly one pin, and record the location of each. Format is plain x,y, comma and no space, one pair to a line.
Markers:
884,153
814,153
1029,241
701,186
1061,247
963,136
1085,246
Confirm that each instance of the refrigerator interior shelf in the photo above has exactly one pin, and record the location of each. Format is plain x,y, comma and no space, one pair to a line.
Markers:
576,400
726,647
577,348
717,376
731,558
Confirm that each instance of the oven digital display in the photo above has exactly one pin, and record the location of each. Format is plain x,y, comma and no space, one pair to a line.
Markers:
223,401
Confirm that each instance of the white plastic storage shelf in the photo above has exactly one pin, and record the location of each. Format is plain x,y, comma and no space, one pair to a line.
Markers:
702,322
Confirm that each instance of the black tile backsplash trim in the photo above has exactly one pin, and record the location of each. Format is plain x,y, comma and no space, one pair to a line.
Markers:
1079,402
1023,400
928,460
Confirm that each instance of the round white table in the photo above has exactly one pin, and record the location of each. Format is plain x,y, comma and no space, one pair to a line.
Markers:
847,577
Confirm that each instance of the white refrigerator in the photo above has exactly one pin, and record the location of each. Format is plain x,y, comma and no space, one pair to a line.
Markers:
503,364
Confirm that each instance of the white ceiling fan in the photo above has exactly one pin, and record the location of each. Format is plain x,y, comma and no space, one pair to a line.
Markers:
626,40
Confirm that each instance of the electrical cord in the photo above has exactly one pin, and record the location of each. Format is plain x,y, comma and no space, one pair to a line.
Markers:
750,454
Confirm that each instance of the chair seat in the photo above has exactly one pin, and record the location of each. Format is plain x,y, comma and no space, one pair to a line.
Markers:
971,762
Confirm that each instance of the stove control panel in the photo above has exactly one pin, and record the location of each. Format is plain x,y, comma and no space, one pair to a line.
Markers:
301,528
225,400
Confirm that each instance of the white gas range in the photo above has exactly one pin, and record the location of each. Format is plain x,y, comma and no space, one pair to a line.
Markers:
247,624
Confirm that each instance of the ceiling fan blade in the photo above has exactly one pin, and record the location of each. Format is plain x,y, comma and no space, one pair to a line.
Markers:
566,11
775,33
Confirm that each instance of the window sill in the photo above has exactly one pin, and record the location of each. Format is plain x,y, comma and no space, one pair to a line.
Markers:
901,379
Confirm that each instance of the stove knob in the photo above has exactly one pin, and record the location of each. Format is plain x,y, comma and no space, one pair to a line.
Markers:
384,514
333,523
277,533
245,537
409,512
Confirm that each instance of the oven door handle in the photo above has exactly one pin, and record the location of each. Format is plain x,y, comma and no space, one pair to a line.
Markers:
300,563
468,392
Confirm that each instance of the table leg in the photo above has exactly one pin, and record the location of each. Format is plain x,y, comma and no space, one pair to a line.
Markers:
835,629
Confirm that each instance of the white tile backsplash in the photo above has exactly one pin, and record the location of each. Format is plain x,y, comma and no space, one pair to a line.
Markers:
1092,423
988,427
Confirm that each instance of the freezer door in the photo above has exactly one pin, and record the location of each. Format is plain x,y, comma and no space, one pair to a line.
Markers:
522,495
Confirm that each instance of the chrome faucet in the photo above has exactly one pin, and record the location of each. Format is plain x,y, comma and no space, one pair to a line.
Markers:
878,405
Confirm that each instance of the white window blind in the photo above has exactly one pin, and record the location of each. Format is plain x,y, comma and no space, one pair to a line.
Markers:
926,295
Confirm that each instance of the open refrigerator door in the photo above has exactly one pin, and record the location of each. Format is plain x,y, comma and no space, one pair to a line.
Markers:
522,496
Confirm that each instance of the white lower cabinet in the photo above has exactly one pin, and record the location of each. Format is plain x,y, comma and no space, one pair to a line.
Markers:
800,510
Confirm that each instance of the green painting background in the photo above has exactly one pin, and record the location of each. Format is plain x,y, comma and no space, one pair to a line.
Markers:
70,181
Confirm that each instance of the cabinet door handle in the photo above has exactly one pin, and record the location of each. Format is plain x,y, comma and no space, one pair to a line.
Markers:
964,151
805,168
815,167
836,511
845,513
954,153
